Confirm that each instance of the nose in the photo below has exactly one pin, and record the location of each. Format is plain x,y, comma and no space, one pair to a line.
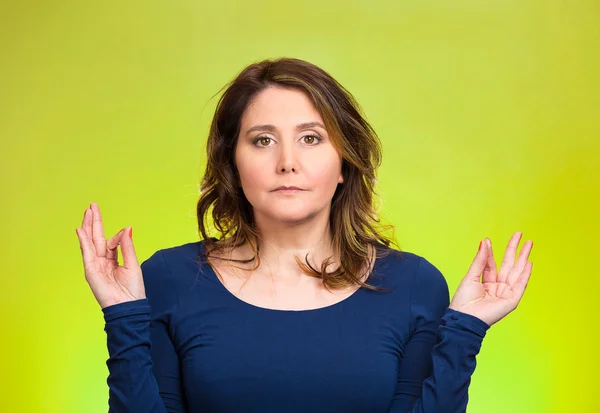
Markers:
287,159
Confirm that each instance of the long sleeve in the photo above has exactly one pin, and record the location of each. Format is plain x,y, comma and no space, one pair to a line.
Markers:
144,369
439,357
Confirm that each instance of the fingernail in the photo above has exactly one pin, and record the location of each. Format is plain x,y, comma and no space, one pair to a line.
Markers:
131,232
480,242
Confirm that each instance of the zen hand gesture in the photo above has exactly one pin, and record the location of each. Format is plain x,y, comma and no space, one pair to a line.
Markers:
110,283
497,294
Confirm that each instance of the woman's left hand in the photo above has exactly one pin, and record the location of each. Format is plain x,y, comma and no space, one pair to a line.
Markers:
497,294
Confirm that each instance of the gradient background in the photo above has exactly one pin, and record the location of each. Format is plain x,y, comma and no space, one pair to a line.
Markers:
486,111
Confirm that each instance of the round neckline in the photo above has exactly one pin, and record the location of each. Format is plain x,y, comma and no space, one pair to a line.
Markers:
279,310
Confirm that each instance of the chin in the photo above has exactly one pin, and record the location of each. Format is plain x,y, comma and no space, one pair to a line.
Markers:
293,218
290,216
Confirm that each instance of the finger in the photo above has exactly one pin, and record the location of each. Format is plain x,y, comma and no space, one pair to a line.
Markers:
88,253
129,258
523,280
521,262
86,224
489,272
509,257
98,231
479,263
112,251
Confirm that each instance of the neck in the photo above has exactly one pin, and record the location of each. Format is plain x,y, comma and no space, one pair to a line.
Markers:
279,242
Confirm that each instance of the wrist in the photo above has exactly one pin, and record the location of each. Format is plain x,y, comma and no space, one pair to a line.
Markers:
466,321
471,314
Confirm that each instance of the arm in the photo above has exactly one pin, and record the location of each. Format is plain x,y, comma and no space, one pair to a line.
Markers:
144,372
439,357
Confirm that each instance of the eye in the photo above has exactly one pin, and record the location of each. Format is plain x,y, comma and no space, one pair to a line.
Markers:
261,140
312,139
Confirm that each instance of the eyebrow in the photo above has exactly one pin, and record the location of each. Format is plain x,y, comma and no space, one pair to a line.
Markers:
272,128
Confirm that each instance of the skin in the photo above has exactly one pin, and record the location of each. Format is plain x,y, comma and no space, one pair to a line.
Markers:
292,224
283,141
286,154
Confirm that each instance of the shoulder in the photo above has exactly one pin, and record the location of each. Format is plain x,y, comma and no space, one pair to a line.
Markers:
168,272
423,285
169,267
408,269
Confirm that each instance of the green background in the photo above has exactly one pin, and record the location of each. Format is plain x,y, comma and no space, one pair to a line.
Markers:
486,111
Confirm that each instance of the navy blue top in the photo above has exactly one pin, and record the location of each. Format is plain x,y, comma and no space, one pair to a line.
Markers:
192,346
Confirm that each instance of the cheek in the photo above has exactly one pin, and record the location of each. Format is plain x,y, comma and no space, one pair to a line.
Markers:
247,170
252,175
325,168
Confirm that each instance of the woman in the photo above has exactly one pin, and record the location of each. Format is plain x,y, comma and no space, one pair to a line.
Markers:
300,304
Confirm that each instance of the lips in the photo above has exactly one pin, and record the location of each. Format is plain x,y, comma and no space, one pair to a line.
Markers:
288,188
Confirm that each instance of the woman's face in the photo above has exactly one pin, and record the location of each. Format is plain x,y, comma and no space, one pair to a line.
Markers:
283,142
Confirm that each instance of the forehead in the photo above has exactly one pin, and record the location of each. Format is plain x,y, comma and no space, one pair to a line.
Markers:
276,105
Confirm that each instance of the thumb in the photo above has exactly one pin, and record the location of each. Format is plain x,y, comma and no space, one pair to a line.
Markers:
129,258
478,265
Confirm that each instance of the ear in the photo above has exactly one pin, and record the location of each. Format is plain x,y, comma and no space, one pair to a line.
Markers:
341,179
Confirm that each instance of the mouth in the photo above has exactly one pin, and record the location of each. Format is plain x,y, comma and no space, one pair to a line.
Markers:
288,189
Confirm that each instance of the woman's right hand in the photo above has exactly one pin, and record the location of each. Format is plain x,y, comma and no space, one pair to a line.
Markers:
110,283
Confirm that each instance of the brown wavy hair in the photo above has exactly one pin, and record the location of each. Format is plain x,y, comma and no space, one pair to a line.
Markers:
354,223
